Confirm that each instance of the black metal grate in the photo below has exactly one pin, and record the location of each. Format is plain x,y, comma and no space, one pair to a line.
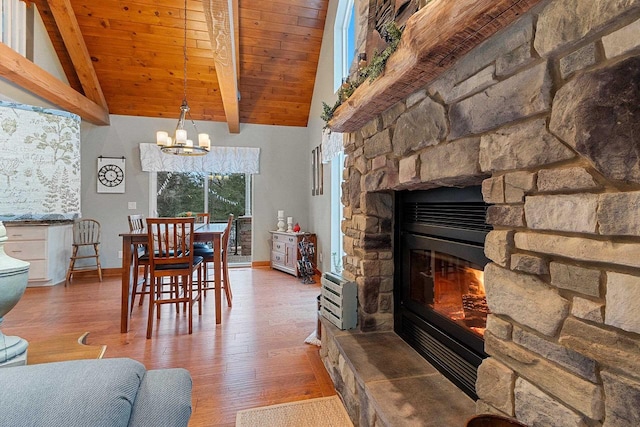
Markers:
452,365
465,215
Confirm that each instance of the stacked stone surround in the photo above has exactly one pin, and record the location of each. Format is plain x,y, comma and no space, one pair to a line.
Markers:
546,117
244,234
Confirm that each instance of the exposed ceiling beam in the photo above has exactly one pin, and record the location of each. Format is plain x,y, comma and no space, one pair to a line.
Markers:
19,70
74,42
223,29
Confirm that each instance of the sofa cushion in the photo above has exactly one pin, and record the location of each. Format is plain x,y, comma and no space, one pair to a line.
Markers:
164,399
76,393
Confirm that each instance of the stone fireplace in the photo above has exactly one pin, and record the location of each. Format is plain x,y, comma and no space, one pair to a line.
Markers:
545,117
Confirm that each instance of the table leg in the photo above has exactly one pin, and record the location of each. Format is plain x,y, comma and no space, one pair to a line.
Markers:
217,272
128,278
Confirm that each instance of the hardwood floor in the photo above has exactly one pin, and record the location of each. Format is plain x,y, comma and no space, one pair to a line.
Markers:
256,357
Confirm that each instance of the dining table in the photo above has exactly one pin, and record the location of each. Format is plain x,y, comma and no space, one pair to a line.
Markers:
210,232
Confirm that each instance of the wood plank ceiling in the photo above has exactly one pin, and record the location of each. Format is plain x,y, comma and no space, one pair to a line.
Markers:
136,47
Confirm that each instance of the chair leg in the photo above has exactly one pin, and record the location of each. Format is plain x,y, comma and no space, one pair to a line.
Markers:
134,292
205,268
145,284
158,290
95,247
199,292
152,304
72,263
227,284
188,290
186,287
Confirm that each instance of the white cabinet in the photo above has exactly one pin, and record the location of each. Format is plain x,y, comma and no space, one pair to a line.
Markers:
46,246
285,252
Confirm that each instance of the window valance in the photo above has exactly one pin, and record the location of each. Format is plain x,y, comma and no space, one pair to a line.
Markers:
222,160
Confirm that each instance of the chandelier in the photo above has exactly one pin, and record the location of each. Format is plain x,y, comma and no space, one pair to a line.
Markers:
179,144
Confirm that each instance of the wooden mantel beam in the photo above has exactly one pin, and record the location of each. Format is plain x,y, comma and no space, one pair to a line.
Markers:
223,30
434,38
69,29
19,70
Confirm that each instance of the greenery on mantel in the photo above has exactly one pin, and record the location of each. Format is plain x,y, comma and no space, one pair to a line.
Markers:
371,71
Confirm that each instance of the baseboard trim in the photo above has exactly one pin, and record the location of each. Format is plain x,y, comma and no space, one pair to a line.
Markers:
106,272
113,272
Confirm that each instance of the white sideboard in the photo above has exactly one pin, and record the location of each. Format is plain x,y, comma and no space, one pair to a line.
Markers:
285,252
46,246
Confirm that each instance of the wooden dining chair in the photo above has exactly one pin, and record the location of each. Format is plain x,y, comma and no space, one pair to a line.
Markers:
86,234
202,218
171,255
207,255
141,258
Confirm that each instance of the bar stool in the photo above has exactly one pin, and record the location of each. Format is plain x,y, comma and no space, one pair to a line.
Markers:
207,254
136,222
171,255
86,232
202,218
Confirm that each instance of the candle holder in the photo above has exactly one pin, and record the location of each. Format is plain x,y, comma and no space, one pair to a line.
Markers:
280,220
289,224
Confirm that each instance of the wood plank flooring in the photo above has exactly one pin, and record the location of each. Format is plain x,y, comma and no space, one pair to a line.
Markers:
256,357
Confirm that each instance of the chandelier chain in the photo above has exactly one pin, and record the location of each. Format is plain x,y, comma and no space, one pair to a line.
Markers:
180,144
184,71
184,51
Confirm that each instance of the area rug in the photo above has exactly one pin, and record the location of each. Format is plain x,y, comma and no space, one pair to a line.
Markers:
321,412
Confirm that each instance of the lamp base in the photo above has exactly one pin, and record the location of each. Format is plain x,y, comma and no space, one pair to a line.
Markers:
13,351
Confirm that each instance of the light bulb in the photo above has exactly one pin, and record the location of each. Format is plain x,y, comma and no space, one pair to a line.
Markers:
181,136
161,138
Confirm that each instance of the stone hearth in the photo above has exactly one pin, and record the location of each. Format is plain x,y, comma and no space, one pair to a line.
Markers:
383,381
546,116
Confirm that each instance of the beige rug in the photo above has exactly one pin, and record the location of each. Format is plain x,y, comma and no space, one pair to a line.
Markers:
321,412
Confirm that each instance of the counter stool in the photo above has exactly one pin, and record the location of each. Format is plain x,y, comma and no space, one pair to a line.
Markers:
171,255
207,254
141,258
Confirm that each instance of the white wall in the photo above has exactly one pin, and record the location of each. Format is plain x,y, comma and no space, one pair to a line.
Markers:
282,183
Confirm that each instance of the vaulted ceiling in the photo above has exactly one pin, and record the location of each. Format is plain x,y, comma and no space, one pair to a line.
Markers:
135,48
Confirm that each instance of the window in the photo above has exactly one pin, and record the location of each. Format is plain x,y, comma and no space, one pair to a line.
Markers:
344,41
337,250
343,55
13,28
176,194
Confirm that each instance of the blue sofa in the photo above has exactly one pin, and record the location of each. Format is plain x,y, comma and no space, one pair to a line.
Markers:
106,392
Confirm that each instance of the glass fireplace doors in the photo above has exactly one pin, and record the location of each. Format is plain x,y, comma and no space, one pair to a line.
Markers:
441,307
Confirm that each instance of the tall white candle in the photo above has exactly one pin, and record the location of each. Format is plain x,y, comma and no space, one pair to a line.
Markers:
280,214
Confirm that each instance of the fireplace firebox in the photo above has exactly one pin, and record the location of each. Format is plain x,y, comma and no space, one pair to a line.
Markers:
441,308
